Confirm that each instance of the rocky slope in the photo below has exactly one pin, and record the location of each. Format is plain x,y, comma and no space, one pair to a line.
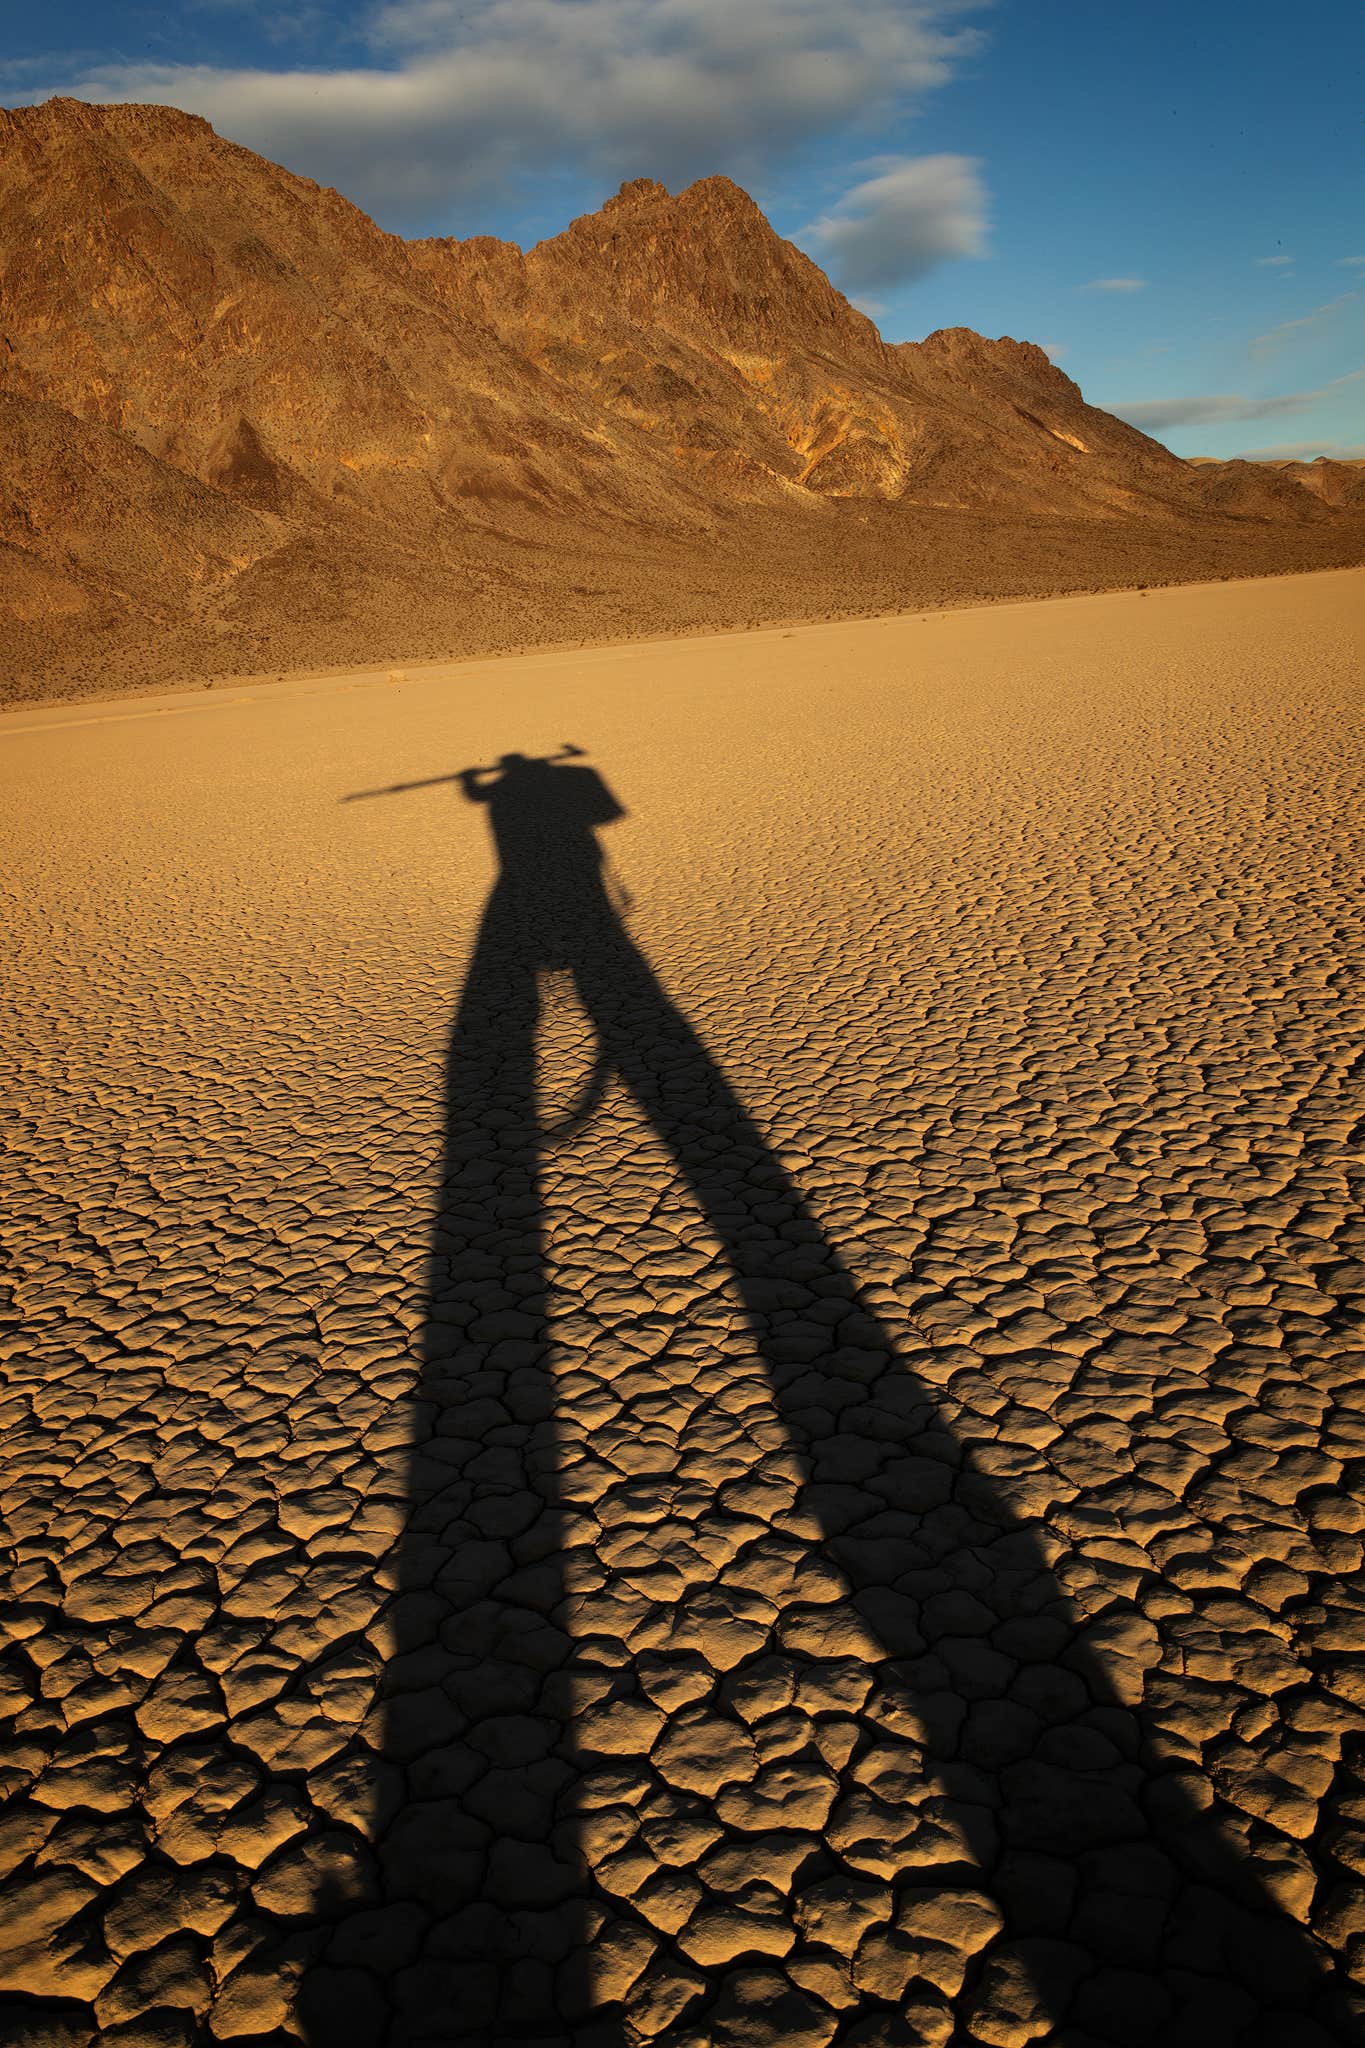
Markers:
247,427
1336,483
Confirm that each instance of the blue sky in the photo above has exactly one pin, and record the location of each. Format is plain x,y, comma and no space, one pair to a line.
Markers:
1169,197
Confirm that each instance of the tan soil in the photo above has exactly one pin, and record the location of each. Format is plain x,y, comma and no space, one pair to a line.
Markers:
835,1520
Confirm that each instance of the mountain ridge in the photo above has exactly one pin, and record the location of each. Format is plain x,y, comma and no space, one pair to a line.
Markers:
665,378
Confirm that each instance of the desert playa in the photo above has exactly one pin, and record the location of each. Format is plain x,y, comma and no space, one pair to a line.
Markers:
683,1357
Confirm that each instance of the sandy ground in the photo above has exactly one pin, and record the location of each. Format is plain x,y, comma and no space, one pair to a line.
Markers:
356,605
749,1443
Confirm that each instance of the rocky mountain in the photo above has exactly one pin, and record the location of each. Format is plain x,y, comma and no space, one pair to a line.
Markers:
246,427
1339,483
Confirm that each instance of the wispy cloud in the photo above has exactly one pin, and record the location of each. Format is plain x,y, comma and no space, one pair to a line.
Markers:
1351,262
1115,284
1275,338
470,97
1307,451
916,212
1155,415
26,78
1272,262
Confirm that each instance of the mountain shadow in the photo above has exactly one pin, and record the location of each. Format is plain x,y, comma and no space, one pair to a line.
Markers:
586,1843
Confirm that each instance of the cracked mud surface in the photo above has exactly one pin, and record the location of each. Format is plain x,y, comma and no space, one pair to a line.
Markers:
756,1444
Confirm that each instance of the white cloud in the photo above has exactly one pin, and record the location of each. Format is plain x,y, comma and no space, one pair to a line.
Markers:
914,213
1155,415
467,96
1272,262
1115,284
1276,338
1350,262
1306,451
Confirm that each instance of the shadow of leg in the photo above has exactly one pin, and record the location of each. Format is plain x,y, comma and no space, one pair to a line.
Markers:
479,1934
1010,1816
773,1725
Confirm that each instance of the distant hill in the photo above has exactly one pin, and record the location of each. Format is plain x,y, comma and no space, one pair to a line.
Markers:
247,428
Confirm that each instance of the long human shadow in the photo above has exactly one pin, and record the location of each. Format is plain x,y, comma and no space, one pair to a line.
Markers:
1130,1913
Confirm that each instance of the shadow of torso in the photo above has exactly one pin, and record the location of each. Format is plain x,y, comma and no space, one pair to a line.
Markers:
550,897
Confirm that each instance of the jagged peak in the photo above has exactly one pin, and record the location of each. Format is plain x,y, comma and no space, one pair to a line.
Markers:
722,191
715,191
104,116
963,349
707,263
966,342
636,192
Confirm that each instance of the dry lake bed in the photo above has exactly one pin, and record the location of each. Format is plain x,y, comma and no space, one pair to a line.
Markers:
702,1391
